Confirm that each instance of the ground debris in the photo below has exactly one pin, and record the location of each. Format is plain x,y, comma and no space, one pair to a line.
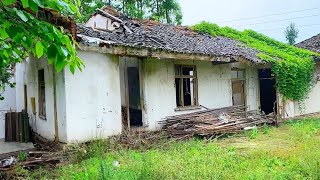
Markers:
33,159
136,139
7,162
211,122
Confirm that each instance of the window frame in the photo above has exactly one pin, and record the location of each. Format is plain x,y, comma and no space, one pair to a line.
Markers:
237,70
194,83
41,84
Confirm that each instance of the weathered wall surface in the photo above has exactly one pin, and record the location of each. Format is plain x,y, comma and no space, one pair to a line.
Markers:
312,103
214,87
97,21
9,103
27,74
93,101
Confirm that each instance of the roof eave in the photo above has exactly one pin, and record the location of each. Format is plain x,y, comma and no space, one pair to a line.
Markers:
153,53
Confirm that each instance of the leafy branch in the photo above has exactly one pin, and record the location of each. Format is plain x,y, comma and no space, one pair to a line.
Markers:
25,30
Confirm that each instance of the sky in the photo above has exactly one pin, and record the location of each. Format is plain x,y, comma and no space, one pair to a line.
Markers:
269,17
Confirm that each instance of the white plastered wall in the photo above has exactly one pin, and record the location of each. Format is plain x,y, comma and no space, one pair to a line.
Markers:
9,103
312,103
97,21
27,74
214,87
93,101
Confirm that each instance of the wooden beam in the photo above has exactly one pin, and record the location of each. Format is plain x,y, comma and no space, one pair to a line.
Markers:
138,52
55,112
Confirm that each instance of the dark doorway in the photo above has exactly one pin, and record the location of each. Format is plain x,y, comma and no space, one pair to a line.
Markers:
268,92
134,97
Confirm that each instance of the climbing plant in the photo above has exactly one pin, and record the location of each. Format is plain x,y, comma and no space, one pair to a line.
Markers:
293,67
25,30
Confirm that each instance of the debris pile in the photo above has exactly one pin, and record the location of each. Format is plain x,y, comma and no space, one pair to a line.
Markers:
212,122
31,160
141,139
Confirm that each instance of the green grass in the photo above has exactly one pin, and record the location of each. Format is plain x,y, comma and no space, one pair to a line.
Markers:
291,151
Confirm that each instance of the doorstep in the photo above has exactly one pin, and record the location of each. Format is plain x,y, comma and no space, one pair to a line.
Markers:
8,147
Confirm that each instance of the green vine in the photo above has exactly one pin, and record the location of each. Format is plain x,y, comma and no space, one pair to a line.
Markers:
293,67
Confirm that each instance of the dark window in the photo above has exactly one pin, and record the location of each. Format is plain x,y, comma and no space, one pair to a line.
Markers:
186,86
42,94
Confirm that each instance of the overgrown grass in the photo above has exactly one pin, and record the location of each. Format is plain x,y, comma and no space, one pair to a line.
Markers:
288,152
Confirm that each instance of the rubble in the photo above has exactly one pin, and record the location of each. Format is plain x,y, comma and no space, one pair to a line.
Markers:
8,162
152,35
212,122
33,159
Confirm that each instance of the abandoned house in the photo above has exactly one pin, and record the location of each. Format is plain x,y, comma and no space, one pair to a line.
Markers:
138,72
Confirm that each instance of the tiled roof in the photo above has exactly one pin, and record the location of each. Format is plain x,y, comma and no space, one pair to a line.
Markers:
180,39
312,44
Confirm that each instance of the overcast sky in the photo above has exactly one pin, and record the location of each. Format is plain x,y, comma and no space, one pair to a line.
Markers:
273,15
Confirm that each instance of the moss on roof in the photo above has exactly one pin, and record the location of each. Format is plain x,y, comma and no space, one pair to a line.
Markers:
292,66
272,49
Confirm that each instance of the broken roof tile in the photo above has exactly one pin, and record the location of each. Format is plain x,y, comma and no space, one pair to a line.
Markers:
180,39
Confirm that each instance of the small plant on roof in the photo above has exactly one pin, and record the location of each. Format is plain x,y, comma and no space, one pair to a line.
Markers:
293,67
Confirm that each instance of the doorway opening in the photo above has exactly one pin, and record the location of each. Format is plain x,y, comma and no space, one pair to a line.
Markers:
268,93
238,87
131,93
135,112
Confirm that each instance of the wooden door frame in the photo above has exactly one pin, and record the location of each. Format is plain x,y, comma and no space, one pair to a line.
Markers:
127,94
278,106
243,87
244,80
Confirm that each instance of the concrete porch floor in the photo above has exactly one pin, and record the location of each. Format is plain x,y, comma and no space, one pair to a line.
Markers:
8,147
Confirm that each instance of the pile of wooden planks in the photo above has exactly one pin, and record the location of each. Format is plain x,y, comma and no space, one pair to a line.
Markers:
211,122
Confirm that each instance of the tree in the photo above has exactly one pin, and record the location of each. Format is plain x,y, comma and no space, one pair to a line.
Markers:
291,34
87,7
168,11
25,29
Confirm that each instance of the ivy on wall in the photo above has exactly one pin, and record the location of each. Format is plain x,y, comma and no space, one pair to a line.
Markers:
293,67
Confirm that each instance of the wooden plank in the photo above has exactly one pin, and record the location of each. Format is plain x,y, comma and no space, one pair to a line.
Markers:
17,127
55,112
141,81
138,52
20,127
25,98
26,126
9,127
13,126
127,94
6,131
23,138
211,122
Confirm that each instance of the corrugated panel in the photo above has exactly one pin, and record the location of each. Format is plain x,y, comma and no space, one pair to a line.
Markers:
17,127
